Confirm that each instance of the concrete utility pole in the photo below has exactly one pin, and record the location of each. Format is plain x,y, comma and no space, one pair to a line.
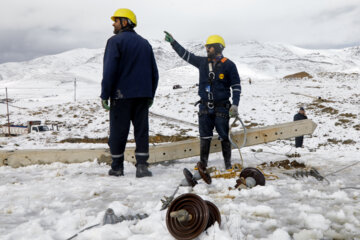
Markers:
8,114
161,152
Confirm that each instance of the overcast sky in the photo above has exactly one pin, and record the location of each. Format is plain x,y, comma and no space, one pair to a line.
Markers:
32,28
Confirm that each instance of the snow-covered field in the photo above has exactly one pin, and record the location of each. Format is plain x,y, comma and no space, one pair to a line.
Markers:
58,200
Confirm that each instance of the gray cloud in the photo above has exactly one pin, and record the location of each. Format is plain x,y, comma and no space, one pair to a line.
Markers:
336,13
30,29
58,29
27,44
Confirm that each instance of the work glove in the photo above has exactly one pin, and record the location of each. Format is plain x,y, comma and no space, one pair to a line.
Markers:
233,111
168,37
150,102
105,104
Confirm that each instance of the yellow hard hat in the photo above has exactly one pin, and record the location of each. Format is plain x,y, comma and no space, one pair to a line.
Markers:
125,13
215,39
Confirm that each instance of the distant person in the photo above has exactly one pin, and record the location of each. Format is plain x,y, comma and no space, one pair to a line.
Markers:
249,81
130,78
218,81
301,115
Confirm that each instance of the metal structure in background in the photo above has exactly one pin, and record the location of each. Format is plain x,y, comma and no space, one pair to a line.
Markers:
159,153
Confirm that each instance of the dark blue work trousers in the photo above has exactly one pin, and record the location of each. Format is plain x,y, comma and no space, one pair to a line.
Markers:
217,117
122,113
299,141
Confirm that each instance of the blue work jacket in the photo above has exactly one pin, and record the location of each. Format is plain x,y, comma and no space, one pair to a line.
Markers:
130,69
226,76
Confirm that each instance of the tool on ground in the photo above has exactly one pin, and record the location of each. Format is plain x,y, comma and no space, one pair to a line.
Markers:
306,173
167,200
111,218
315,173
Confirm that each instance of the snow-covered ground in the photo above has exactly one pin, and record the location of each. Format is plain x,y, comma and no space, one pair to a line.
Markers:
58,200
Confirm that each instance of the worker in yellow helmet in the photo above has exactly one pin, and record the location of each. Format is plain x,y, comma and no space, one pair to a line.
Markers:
219,81
130,78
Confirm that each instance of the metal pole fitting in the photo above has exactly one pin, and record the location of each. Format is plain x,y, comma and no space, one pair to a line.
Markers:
182,215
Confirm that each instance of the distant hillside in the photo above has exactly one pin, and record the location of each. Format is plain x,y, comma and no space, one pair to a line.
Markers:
253,59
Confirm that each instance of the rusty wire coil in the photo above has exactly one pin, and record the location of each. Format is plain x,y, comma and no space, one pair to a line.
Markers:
202,213
255,173
202,171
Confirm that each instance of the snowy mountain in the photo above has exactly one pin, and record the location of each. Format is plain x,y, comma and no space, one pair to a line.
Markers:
254,60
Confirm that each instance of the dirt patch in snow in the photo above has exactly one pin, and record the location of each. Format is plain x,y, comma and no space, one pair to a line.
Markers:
337,141
298,75
339,75
348,115
330,110
152,139
286,164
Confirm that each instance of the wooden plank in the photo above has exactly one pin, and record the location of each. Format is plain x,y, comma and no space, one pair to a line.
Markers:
159,153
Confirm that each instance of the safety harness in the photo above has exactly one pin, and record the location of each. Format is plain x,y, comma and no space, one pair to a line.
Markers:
209,89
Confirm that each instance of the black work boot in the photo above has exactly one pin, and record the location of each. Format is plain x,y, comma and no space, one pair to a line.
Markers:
118,164
204,151
226,151
117,173
142,171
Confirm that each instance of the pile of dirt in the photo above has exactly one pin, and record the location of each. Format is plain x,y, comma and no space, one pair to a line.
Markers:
152,139
330,110
251,125
175,138
348,115
293,155
299,75
342,122
337,141
85,140
334,141
322,100
286,164
348,141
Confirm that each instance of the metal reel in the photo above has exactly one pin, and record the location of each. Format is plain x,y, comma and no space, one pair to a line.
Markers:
202,171
187,226
189,177
254,173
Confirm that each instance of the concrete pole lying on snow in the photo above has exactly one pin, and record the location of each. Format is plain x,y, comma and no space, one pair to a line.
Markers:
159,153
